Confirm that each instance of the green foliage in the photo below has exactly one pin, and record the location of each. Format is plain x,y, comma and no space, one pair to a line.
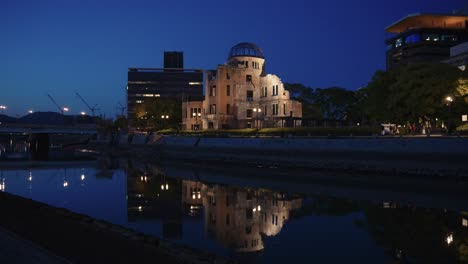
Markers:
149,114
414,92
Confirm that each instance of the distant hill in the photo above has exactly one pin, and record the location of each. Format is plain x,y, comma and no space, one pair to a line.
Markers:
45,118
4,119
48,118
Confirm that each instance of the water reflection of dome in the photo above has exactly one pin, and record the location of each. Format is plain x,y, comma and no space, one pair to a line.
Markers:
246,49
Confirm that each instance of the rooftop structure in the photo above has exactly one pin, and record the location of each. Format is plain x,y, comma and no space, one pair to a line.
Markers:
419,38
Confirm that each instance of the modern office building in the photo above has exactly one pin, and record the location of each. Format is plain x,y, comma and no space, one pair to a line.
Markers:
158,84
420,38
239,94
459,56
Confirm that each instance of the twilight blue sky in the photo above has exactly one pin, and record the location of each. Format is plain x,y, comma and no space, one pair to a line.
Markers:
65,46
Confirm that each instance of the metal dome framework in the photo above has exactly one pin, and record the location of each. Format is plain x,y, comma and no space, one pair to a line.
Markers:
246,49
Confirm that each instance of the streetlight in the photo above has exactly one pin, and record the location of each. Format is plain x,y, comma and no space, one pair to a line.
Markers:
3,107
164,117
66,109
83,113
196,115
449,101
30,111
257,110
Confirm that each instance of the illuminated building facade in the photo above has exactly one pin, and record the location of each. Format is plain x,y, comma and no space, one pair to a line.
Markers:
240,94
421,38
171,82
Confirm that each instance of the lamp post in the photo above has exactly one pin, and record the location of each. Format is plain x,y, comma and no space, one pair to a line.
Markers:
449,101
164,117
196,115
257,111
2,107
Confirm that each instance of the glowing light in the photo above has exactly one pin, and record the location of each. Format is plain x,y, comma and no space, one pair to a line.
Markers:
255,209
449,99
259,208
66,109
65,184
167,186
83,177
140,208
30,111
30,178
449,239
193,196
83,113
146,179
465,222
199,195
162,186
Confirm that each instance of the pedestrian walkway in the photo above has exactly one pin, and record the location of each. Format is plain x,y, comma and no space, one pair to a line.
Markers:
14,249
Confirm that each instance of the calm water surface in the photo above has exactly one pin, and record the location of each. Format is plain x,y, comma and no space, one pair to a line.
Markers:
253,224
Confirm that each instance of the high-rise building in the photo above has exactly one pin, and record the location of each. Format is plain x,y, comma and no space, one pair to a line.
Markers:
173,59
459,56
158,85
419,38
239,94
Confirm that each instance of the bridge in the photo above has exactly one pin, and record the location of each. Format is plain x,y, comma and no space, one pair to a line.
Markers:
88,129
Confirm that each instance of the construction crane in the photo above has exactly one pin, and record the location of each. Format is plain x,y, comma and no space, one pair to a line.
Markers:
121,108
92,109
55,103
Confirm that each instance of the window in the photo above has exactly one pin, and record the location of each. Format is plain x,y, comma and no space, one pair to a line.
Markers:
248,229
248,213
398,42
449,38
249,95
228,90
213,109
264,91
275,90
412,38
265,110
195,112
227,219
274,219
227,201
248,78
228,76
274,110
228,109
431,37
213,90
284,109
249,113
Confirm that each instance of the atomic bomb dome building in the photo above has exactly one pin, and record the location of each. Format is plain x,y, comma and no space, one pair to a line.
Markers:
240,94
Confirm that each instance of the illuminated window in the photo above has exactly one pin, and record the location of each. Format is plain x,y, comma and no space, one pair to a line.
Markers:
431,37
139,101
195,83
412,38
398,42
465,222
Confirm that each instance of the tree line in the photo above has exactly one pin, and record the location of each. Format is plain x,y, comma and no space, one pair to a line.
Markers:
414,93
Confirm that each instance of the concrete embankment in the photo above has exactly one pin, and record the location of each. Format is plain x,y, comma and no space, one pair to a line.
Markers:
446,156
80,239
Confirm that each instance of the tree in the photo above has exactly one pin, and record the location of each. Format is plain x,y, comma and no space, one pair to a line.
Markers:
335,102
414,92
